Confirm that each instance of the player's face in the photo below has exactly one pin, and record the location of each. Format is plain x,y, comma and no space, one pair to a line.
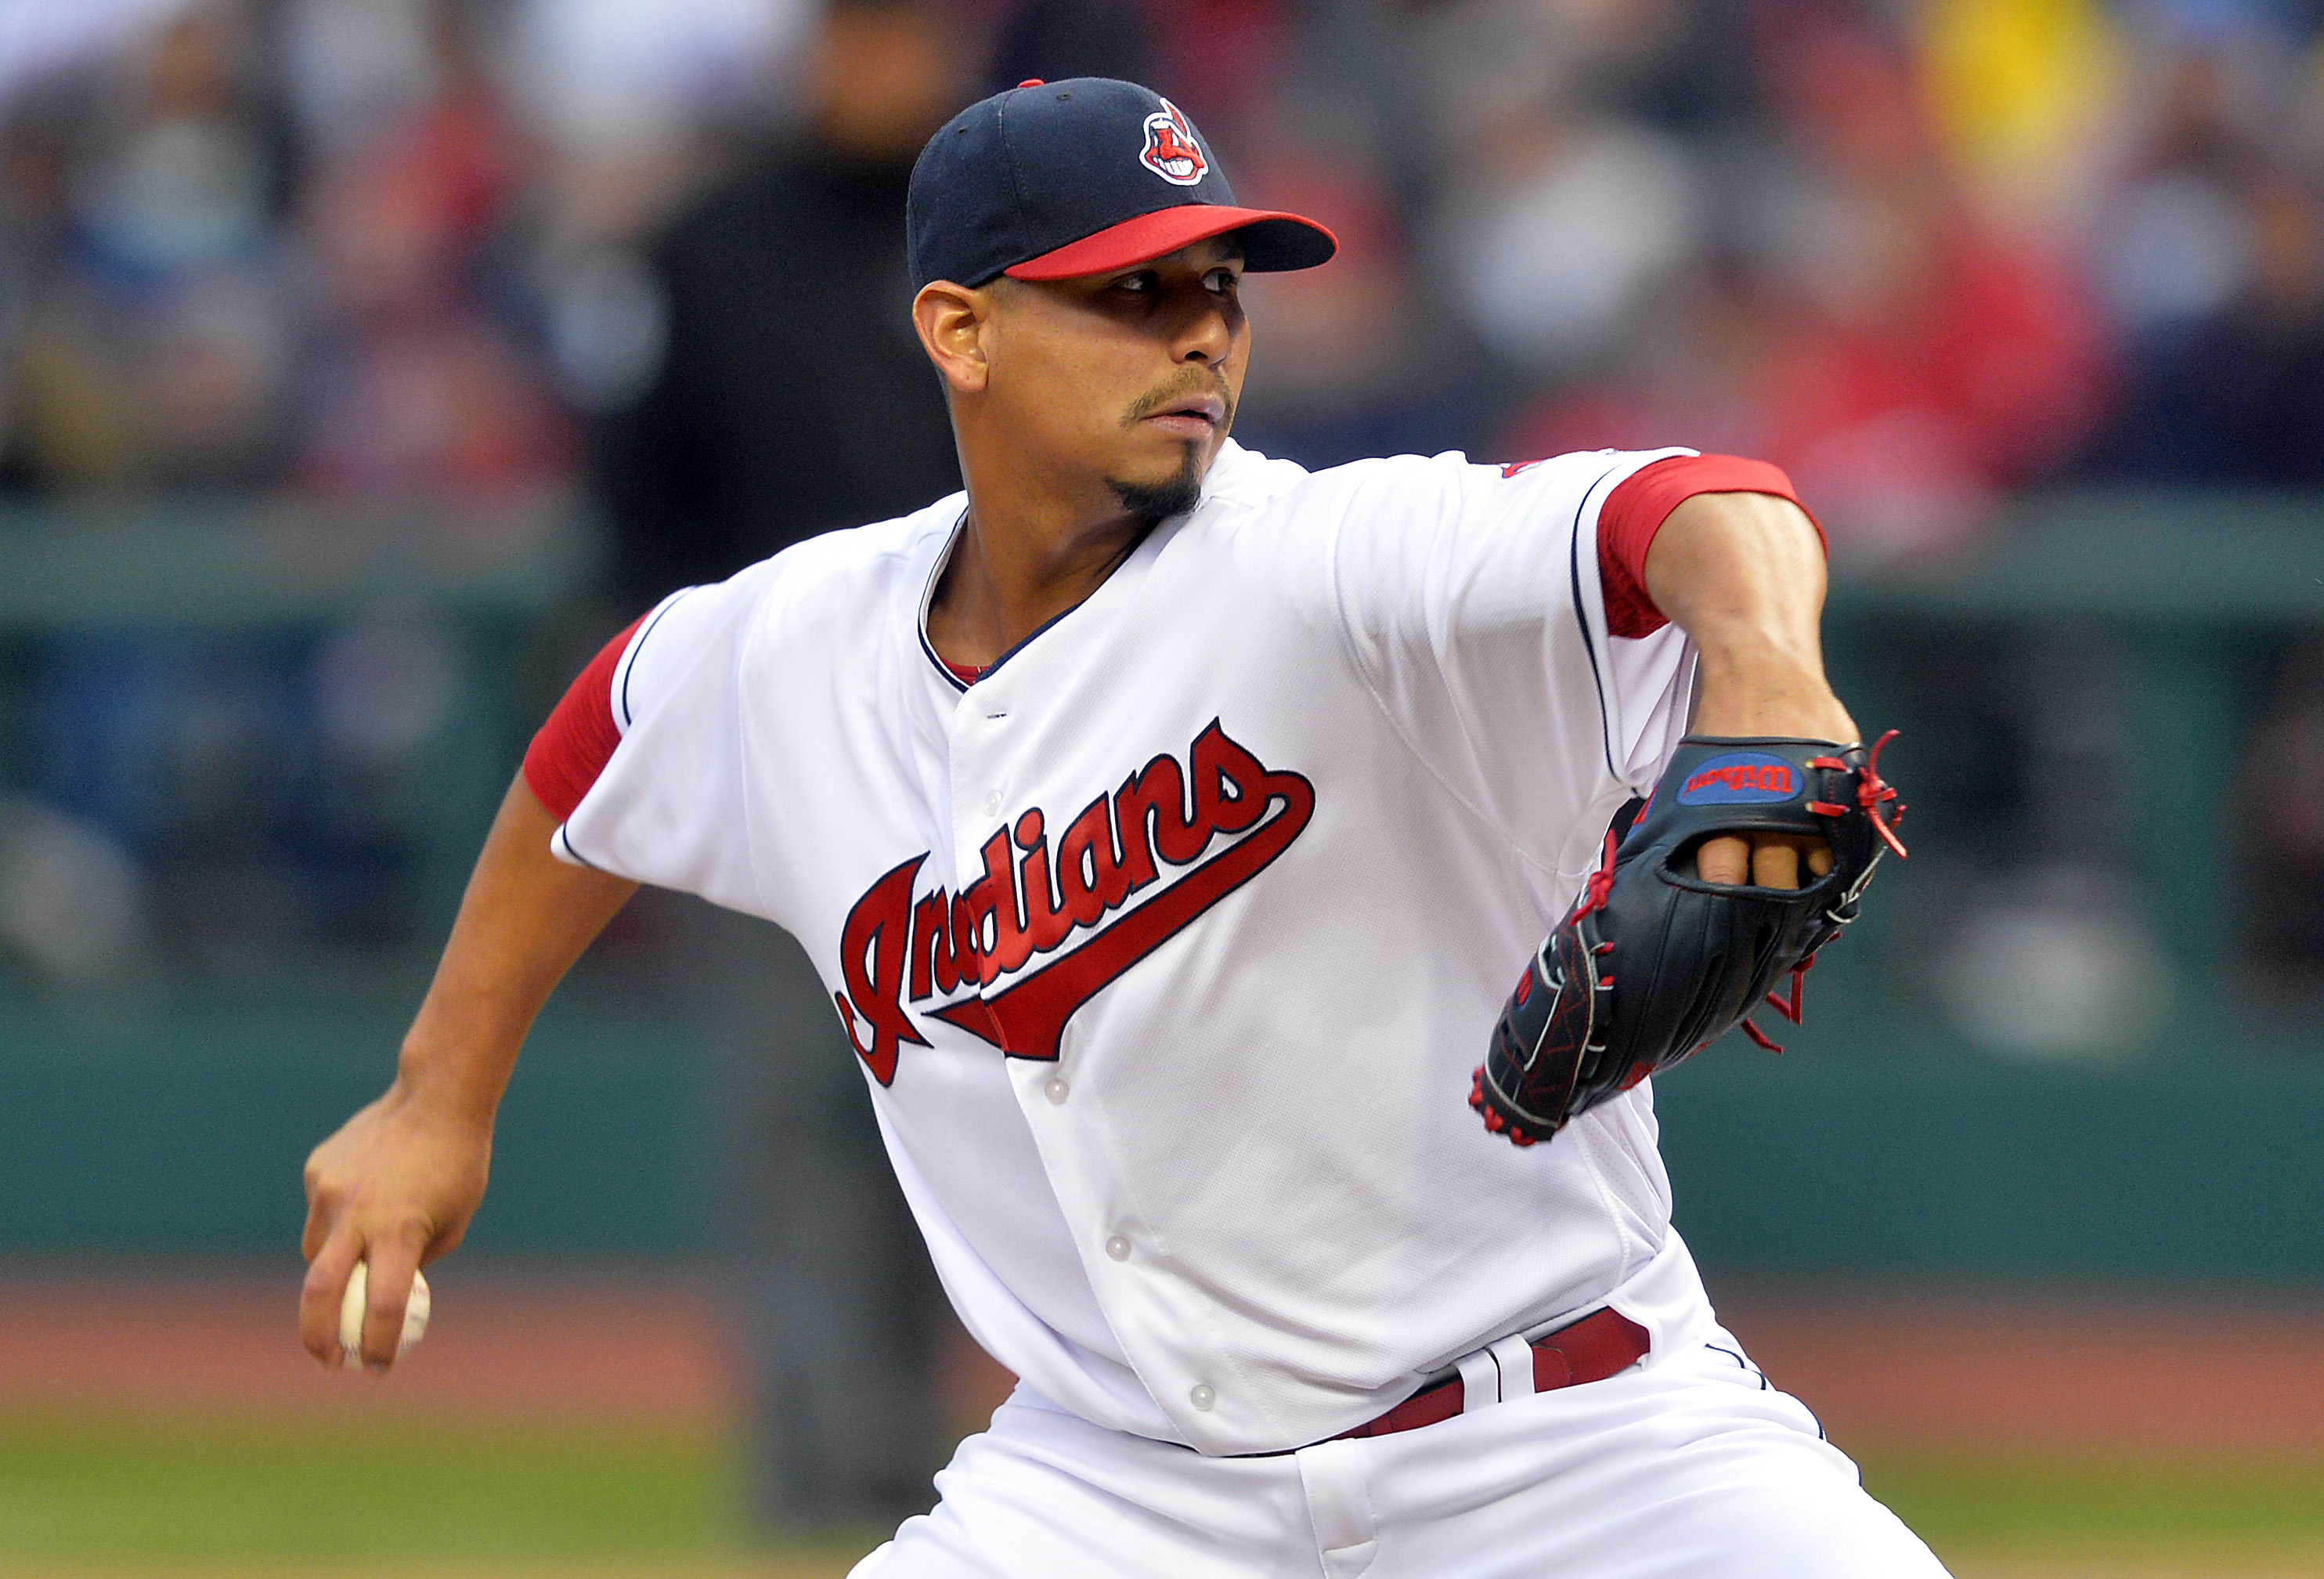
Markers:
1130,377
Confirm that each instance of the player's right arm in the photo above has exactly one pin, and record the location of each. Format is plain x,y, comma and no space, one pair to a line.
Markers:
399,1180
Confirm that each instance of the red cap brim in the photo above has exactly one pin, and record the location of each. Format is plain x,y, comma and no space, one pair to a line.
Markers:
1272,242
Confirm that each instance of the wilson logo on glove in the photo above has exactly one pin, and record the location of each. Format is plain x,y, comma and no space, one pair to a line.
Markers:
1741,779
1653,963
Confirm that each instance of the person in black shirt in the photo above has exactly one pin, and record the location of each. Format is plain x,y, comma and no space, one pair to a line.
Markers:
791,397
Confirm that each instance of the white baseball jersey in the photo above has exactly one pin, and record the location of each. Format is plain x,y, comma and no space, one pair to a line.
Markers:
1169,946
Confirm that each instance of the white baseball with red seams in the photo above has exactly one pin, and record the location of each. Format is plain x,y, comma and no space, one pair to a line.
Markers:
1168,947
352,1309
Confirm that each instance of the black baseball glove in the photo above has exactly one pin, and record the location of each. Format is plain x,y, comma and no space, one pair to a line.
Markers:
1653,963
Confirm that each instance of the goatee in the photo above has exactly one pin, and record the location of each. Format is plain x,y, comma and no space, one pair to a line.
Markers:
1157,502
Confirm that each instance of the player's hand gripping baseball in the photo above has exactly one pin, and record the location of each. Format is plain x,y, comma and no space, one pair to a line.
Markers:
395,1187
1743,575
398,1184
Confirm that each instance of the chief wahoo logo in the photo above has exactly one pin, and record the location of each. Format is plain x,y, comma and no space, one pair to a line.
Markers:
1171,151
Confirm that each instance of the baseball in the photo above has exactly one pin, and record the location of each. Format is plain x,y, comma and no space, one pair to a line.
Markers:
351,1312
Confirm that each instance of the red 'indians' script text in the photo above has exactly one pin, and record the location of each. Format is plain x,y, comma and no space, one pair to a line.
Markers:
1030,901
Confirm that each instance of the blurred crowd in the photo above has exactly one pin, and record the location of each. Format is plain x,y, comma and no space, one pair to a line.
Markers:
443,253
1918,257
1917,254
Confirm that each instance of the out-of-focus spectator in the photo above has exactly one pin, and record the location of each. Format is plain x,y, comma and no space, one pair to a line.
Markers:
613,74
2025,97
1856,323
155,344
1227,60
72,899
790,395
416,389
1564,216
353,70
33,223
1056,39
1932,360
1352,360
235,276
2213,256
633,105
272,788
2282,830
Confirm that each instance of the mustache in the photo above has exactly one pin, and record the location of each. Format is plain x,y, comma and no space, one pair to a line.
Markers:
1178,389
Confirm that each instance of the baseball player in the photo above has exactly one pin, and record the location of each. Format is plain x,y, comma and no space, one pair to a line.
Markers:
1167,824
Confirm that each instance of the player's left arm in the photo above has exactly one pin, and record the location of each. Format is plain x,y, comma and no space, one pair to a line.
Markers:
1743,575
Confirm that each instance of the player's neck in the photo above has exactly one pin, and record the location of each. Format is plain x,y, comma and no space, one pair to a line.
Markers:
1012,571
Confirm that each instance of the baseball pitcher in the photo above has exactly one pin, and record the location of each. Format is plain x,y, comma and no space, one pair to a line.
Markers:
1194,847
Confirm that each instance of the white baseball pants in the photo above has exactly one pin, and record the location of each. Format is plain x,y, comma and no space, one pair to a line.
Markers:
1694,1468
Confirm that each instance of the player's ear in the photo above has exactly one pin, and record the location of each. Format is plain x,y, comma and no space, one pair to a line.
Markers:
951,321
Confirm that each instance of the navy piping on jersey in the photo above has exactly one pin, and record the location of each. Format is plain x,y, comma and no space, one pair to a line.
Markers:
565,839
943,668
1740,1360
1582,618
962,685
1033,634
929,597
630,661
1764,1385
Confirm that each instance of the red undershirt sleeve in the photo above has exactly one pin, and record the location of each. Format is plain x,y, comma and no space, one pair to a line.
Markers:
578,740
1639,505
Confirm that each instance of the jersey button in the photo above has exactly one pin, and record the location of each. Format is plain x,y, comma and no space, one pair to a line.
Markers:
1055,1090
993,804
1203,1398
1118,1248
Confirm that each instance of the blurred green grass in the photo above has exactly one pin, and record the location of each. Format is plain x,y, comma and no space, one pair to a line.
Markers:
130,1486
2215,1514
147,1491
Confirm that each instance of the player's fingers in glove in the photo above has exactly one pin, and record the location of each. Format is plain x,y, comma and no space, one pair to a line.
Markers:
1776,859
1764,860
1819,856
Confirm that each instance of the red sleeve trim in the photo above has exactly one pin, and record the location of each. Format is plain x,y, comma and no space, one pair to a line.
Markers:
578,740
1640,504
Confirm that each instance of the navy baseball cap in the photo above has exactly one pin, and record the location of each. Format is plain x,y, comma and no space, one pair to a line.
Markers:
1053,180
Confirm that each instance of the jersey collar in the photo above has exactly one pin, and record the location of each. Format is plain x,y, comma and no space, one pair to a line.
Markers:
1231,459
